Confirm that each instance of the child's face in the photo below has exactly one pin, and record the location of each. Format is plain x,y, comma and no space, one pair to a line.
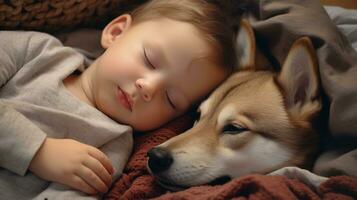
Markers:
159,65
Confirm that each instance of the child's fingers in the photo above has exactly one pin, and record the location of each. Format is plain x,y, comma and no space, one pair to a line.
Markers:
79,184
102,158
97,167
92,179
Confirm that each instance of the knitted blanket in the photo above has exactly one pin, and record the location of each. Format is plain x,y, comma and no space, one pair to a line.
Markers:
55,15
137,183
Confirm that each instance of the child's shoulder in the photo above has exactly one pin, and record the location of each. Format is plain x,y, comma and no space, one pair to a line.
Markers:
27,36
20,33
24,46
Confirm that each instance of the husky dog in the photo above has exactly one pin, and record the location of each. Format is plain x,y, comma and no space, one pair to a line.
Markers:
255,122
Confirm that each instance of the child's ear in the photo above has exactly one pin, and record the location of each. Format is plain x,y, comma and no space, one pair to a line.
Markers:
114,29
299,79
246,46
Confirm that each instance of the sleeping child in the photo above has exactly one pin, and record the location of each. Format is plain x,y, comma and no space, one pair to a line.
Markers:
67,134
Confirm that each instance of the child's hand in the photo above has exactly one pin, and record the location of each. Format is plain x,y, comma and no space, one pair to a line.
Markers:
72,163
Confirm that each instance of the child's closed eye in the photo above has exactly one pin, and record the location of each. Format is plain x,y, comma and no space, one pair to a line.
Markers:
149,63
147,60
170,101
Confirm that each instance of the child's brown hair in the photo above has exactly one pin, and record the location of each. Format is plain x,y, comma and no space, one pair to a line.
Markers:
211,18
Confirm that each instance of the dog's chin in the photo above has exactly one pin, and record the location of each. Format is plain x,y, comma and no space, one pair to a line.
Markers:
220,180
166,184
169,186
172,187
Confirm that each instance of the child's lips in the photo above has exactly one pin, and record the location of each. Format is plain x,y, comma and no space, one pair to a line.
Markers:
124,99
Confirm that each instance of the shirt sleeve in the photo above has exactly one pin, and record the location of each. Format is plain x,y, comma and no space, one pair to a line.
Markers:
20,139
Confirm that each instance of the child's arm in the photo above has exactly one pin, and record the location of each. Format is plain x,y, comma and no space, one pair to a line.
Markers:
19,137
22,142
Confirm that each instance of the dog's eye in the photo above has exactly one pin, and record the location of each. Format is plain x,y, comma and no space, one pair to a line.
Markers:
197,116
233,129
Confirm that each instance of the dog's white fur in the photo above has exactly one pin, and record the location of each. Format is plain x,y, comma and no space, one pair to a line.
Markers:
273,113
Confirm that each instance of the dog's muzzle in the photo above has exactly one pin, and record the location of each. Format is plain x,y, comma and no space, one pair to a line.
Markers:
159,160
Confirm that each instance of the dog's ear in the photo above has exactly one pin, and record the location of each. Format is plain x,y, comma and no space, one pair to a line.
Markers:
246,46
299,79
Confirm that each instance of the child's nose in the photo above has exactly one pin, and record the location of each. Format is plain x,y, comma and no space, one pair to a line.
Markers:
147,88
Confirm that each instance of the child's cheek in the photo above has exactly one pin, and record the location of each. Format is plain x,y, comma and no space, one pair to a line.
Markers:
120,65
110,64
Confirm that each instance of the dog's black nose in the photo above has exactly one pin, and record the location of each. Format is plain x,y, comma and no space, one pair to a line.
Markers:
159,159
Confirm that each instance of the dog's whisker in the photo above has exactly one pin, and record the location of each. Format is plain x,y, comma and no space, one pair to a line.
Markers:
180,152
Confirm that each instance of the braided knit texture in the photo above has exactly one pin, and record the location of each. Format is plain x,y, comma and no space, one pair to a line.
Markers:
53,15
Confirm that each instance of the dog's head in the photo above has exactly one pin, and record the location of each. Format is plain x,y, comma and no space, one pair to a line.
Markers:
255,122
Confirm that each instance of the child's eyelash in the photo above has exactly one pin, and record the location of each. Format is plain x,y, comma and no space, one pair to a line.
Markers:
147,60
171,103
